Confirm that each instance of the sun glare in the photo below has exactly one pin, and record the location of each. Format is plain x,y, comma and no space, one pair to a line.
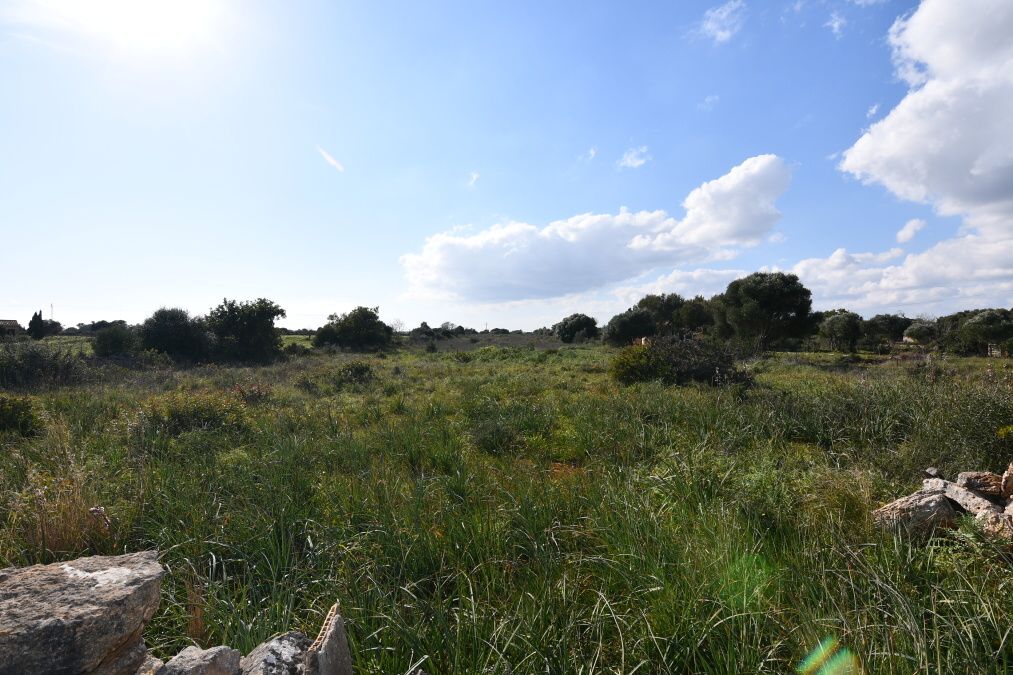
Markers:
140,27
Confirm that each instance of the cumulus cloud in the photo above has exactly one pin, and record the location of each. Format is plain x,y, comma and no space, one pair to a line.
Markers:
634,158
721,23
910,229
520,261
948,144
330,160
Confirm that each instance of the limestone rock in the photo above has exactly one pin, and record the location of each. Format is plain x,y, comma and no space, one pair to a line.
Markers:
963,497
283,655
328,655
196,661
999,526
931,472
985,483
1006,485
919,512
82,616
151,666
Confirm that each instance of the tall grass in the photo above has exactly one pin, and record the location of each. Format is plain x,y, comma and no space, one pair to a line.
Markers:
515,511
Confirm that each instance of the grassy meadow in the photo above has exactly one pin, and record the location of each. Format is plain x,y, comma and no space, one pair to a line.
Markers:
513,510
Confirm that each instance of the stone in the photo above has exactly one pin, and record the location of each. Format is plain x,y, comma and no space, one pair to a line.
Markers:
998,526
931,472
985,483
329,655
283,655
151,666
920,512
82,616
962,497
197,661
1006,484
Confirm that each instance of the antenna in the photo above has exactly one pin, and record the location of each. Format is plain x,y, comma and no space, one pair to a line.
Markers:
50,311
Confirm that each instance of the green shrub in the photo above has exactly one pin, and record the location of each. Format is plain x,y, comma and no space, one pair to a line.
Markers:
355,372
634,364
244,331
677,361
31,364
177,413
176,333
116,340
20,415
358,330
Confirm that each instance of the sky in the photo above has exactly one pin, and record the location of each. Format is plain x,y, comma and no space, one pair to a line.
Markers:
501,164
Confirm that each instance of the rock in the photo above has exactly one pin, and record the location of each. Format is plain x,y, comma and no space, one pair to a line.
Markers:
931,472
999,526
151,666
985,483
82,616
283,655
196,661
963,497
328,655
1006,484
920,512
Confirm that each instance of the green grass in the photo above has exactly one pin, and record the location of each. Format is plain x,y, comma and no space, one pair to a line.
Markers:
513,510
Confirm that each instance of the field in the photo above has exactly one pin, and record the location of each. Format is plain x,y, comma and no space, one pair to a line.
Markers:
514,510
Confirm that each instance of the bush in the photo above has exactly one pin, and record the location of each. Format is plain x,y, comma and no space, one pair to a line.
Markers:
29,364
675,360
244,331
19,415
622,329
359,330
576,325
921,331
842,330
355,372
177,413
116,340
174,332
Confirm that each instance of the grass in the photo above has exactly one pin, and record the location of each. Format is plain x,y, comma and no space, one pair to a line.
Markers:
510,509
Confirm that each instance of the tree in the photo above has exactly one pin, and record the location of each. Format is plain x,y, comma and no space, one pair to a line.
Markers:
245,331
359,329
622,329
576,326
885,328
921,331
695,315
114,340
842,329
174,332
664,309
767,307
986,327
37,327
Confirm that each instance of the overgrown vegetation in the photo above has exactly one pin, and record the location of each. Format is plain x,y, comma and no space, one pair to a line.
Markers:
516,510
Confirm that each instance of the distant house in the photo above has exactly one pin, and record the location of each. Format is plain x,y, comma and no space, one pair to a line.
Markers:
10,328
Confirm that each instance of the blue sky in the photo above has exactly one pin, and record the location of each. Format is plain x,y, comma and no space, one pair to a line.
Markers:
439,159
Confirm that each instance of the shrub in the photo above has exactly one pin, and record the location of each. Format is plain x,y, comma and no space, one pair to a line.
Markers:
176,333
244,331
842,330
177,413
360,329
767,307
20,415
29,364
921,331
622,329
355,372
676,360
115,340
569,328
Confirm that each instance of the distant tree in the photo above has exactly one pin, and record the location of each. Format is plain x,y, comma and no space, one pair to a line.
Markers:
664,309
244,331
37,326
767,307
921,331
359,329
842,329
576,325
695,315
624,328
173,332
423,332
885,328
114,340
988,326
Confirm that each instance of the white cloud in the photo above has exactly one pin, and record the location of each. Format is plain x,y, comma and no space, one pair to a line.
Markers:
473,177
836,24
519,261
872,111
910,229
634,158
330,160
948,144
591,153
708,103
721,23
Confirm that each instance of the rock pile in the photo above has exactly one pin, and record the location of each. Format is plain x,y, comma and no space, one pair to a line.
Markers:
87,617
938,504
